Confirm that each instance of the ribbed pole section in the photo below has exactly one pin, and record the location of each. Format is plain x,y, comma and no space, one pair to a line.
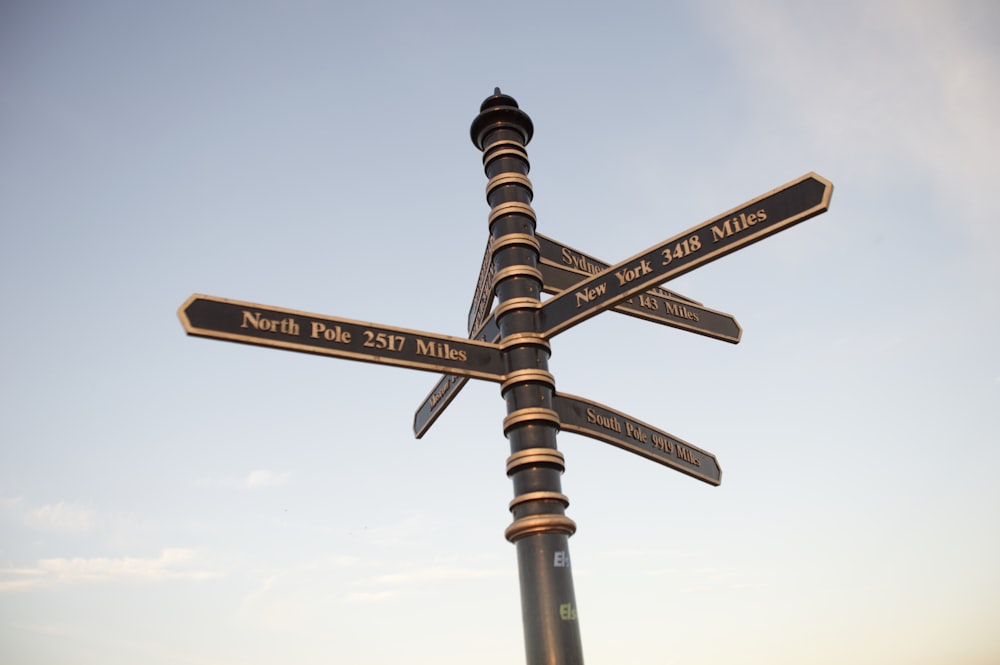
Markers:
540,530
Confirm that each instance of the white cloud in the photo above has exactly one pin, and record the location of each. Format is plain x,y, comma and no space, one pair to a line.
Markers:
439,574
291,599
345,560
261,478
372,596
887,88
59,517
410,530
172,564
255,480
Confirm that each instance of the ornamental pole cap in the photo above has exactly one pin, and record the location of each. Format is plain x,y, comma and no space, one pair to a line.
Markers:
500,110
498,99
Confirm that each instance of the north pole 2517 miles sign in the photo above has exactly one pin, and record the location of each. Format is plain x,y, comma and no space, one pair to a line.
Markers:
235,321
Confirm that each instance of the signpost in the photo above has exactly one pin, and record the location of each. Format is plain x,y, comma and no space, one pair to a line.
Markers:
564,268
235,321
605,424
483,297
511,346
557,255
751,222
656,305
448,387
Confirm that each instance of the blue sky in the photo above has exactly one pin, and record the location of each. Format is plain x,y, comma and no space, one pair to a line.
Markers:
167,499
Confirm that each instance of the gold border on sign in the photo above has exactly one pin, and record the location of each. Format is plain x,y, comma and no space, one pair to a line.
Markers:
653,316
708,257
336,352
678,464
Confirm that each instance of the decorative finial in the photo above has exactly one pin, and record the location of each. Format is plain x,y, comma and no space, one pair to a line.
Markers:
496,111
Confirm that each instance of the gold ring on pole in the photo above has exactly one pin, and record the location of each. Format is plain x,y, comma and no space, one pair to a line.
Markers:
524,526
514,239
503,142
508,178
513,150
531,414
525,339
512,208
528,375
538,496
515,303
532,456
516,271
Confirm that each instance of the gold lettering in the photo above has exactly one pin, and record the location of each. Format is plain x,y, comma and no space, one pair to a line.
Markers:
567,257
735,225
680,311
252,319
635,432
335,334
663,443
586,295
718,234
607,422
627,275
579,262
687,456
438,394
285,326
440,350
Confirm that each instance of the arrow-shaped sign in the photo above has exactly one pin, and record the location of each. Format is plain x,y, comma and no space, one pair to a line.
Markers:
788,205
755,220
599,422
552,252
249,323
483,297
563,268
447,389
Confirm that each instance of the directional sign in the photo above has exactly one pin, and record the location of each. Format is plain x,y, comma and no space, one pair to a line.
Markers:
599,422
656,305
483,297
447,389
437,400
552,252
755,220
234,321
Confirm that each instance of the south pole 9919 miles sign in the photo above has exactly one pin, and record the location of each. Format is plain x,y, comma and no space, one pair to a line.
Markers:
511,345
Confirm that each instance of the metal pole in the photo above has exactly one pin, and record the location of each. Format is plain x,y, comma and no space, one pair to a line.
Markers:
540,530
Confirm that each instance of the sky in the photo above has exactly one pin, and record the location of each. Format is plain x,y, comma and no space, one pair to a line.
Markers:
166,499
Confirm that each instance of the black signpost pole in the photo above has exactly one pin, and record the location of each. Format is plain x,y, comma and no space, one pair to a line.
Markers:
540,530
511,347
